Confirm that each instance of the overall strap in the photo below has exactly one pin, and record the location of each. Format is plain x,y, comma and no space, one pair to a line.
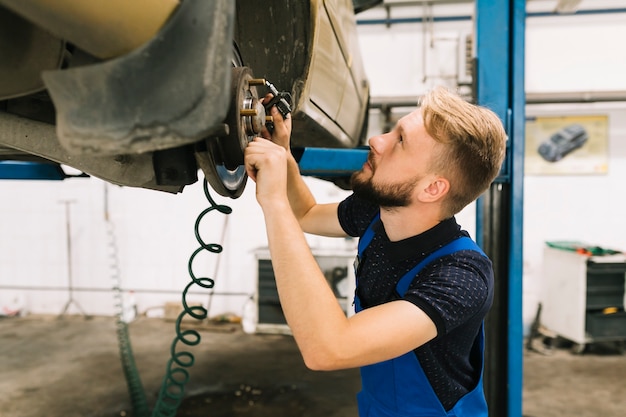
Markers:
462,243
367,237
364,242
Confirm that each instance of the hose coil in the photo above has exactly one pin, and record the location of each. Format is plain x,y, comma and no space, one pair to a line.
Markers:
173,385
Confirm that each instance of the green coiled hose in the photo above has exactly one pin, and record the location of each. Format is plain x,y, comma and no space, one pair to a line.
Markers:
172,389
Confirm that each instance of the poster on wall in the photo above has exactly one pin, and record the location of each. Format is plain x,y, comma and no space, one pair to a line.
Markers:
566,145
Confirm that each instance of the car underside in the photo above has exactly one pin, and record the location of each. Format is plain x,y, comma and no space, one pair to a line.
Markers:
149,93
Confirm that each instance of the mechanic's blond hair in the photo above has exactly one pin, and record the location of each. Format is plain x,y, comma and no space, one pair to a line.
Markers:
474,145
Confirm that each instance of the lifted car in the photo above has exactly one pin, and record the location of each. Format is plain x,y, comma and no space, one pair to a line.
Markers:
146,93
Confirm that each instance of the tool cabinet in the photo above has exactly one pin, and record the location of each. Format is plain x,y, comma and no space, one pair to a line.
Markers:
584,296
337,268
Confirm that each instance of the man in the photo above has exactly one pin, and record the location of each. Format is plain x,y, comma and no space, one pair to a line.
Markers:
423,287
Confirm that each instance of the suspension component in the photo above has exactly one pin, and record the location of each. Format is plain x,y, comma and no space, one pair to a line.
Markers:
222,162
223,159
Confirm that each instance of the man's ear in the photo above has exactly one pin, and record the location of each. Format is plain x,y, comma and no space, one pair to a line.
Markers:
435,190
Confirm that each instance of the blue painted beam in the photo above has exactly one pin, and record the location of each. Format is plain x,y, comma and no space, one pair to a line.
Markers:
20,170
329,162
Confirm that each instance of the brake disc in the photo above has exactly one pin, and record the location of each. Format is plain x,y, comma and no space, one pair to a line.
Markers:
223,160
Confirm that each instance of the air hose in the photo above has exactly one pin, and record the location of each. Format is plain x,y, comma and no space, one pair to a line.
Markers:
173,385
176,376
133,380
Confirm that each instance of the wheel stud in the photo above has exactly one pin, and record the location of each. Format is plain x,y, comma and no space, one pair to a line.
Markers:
248,112
256,81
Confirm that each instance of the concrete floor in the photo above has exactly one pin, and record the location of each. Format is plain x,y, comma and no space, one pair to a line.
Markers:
68,367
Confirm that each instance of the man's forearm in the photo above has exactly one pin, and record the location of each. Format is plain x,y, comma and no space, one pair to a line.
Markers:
311,309
317,219
300,197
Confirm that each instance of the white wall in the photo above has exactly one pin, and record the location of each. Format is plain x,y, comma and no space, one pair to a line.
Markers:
154,231
406,59
576,53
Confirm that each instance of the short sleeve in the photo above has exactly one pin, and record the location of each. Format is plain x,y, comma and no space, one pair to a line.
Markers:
355,215
453,289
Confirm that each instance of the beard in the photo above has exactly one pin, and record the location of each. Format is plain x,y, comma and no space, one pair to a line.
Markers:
388,195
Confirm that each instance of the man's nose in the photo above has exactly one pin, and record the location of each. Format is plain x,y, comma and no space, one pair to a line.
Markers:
377,144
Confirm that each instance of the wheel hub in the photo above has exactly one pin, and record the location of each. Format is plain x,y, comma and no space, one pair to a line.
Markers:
223,161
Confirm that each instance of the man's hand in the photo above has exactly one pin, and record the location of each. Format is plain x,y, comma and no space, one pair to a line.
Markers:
266,164
282,127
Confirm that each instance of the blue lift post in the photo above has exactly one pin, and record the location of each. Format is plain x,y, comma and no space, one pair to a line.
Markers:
499,85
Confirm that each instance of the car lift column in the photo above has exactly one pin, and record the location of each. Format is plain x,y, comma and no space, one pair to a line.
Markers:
499,85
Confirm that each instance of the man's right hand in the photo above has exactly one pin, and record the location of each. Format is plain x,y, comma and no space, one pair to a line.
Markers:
316,219
266,164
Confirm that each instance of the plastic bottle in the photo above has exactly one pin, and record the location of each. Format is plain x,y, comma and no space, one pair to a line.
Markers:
249,318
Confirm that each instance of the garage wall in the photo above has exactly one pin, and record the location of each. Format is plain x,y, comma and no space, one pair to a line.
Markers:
574,207
149,237
153,231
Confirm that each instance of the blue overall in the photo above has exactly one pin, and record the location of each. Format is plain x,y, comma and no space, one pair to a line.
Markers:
399,387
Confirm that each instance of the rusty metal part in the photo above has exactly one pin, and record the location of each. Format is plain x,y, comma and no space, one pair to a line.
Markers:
257,81
39,139
253,114
243,124
104,28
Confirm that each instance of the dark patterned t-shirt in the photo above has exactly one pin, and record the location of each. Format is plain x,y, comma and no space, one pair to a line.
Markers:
455,291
